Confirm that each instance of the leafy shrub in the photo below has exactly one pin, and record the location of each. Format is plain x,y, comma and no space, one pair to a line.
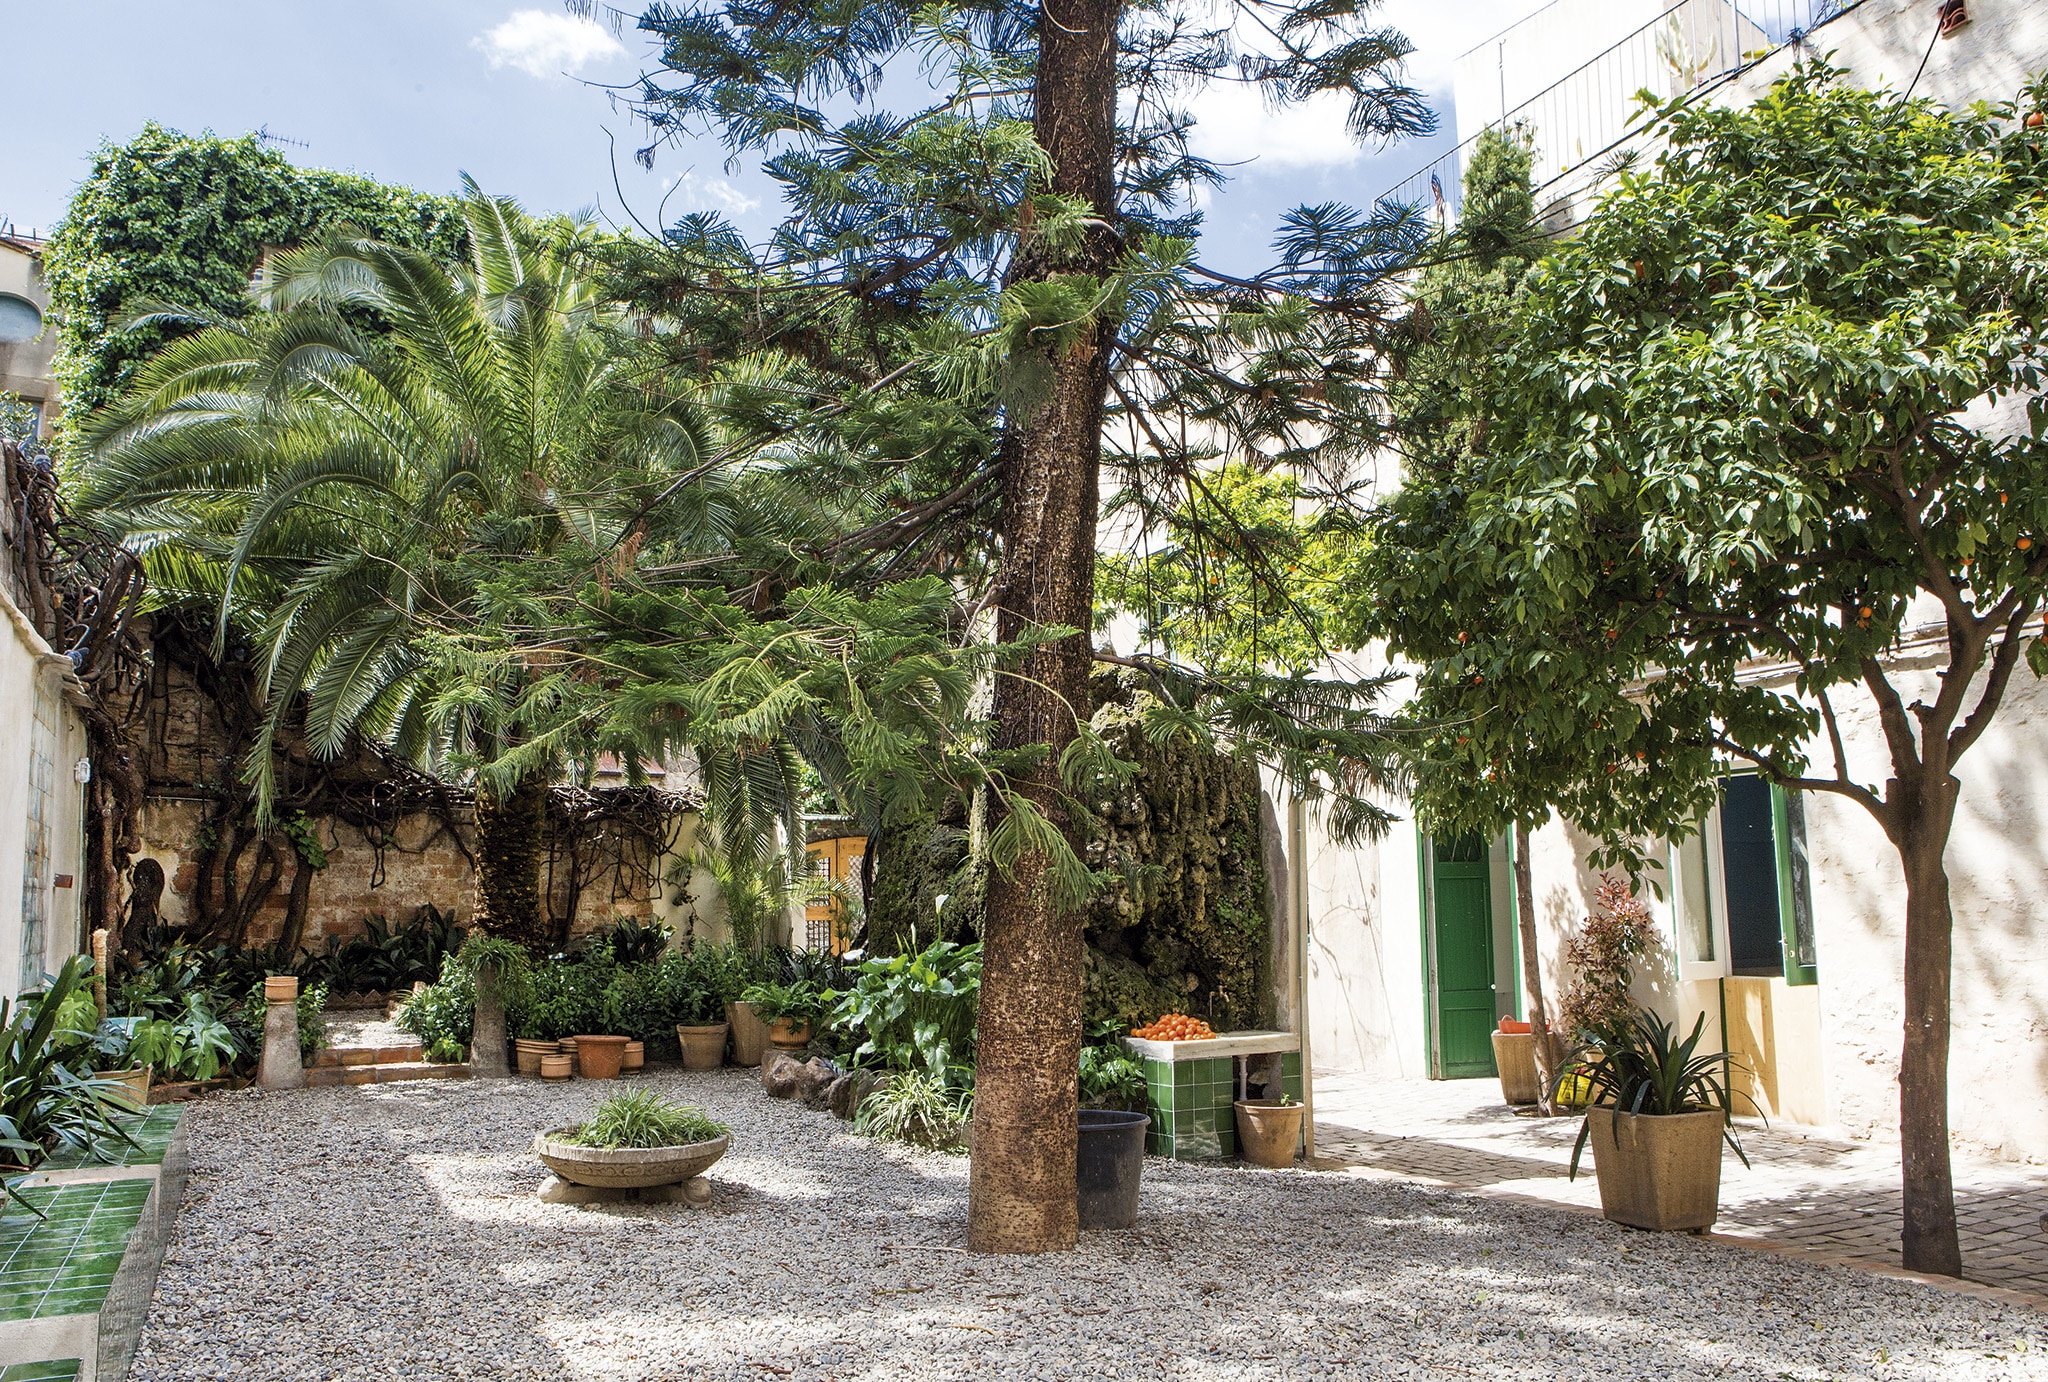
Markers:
443,1013
446,1052
798,1003
565,997
634,944
918,1107
195,1045
1603,954
638,1118
1111,1077
914,1012
384,960
44,1103
639,1003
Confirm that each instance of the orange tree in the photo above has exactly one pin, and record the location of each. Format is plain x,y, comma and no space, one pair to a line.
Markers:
1776,403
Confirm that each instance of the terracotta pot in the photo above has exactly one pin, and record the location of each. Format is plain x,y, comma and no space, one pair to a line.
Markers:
789,1036
1269,1132
635,1057
556,1067
703,1047
1657,1171
598,1057
134,1084
281,988
1514,1055
528,1054
567,1046
749,1033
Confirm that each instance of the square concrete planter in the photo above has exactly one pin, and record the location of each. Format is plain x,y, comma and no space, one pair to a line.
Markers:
1657,1171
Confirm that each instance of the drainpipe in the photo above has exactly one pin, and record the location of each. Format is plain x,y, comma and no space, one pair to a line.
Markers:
1297,896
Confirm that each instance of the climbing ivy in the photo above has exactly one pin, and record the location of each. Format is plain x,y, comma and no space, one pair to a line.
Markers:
171,218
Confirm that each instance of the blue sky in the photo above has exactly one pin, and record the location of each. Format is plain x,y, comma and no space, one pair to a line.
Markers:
420,93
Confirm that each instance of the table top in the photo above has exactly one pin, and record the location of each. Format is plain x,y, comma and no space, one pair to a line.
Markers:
1222,1044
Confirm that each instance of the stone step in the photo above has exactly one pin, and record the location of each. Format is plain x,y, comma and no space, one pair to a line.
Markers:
321,1076
368,1055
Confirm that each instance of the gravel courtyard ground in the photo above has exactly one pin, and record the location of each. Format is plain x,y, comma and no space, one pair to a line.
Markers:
392,1231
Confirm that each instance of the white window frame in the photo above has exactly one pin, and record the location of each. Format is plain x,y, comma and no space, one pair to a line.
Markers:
1691,970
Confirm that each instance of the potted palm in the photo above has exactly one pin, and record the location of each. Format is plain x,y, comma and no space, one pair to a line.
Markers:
1658,1113
790,1010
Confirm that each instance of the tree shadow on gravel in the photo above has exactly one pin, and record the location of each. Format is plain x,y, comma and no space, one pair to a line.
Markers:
405,1241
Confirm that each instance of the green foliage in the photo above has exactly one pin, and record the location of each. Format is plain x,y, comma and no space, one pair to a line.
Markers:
1727,426
640,1002
565,998
167,218
384,959
1605,954
443,1013
640,1118
1111,1077
446,1051
1242,581
44,1103
195,1045
914,1012
1643,1068
919,1107
799,1003
634,943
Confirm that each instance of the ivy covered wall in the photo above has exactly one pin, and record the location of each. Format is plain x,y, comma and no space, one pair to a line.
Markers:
167,218
1184,926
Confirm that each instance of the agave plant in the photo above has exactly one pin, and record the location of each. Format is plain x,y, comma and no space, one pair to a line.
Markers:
1643,1068
44,1103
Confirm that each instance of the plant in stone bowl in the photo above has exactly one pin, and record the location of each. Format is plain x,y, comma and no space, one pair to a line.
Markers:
641,1118
633,1143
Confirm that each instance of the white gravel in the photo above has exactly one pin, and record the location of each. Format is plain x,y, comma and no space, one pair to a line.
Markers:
392,1231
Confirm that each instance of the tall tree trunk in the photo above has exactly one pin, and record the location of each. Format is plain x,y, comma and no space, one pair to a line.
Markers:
511,834
1021,1187
1929,1237
487,1036
1549,1052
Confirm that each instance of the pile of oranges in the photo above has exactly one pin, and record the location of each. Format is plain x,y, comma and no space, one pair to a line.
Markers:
1175,1027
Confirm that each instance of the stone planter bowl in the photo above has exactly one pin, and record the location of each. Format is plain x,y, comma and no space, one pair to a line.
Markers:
626,1168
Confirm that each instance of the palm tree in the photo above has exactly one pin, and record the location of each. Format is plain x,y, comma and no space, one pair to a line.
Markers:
391,478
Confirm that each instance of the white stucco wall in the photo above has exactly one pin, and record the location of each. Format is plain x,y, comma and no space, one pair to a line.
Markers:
29,667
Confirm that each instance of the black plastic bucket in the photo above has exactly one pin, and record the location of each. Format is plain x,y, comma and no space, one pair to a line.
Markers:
1108,1161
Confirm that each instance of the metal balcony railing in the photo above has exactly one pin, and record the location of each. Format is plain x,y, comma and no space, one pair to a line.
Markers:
1591,110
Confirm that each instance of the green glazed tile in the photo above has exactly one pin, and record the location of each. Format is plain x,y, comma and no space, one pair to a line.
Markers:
62,1371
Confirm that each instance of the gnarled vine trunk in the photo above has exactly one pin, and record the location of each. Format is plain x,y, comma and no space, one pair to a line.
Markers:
1021,1187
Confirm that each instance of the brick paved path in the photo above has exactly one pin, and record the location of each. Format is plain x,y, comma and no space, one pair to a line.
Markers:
1834,1197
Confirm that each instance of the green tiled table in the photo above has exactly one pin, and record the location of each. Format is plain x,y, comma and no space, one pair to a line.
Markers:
64,1263
1190,1087
75,1284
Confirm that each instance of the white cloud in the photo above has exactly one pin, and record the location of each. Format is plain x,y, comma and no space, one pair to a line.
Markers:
544,44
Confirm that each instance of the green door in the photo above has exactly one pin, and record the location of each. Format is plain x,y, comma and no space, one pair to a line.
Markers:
1463,959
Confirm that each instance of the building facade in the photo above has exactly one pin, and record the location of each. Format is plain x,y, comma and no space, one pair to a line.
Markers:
1783,919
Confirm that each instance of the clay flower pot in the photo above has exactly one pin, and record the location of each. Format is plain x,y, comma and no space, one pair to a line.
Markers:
703,1047
598,1057
134,1084
281,988
556,1067
1269,1132
528,1054
567,1046
635,1057
789,1036
749,1033
1514,1056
